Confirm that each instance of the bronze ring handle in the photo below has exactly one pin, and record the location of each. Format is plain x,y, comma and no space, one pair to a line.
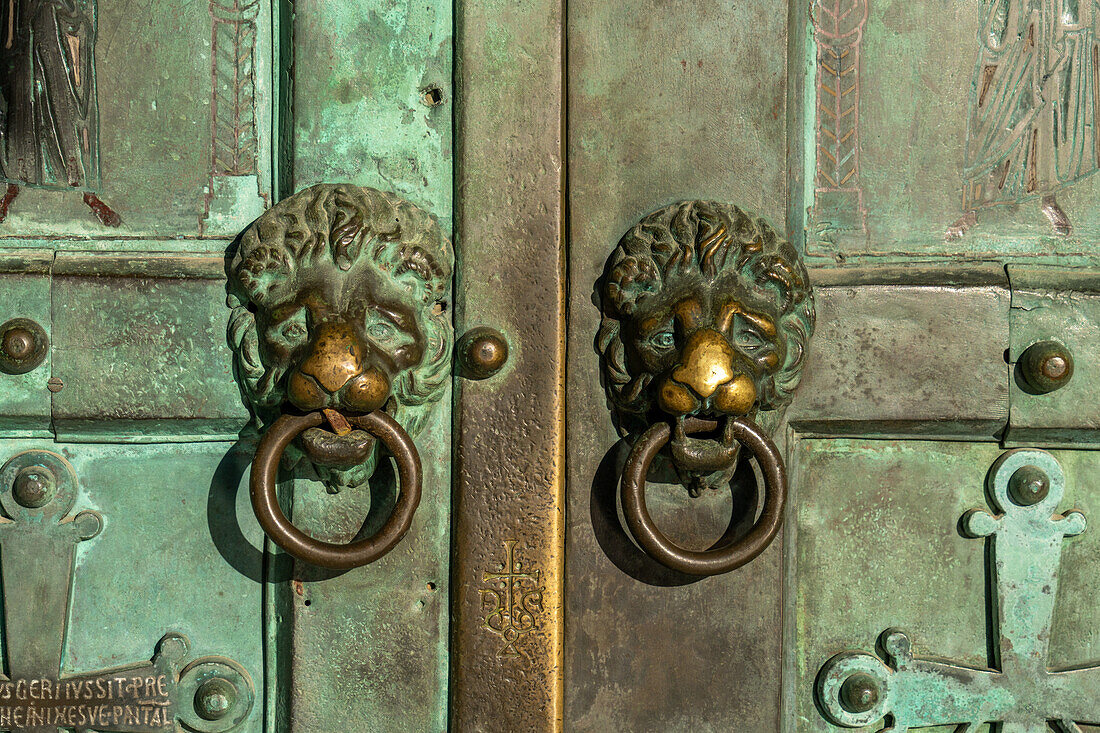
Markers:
718,560
265,502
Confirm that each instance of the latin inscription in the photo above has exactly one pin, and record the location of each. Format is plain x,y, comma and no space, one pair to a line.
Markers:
117,702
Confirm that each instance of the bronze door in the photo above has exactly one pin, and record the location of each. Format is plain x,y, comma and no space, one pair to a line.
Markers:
429,288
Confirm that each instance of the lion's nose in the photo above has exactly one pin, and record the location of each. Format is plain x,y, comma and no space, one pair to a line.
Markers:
367,392
337,356
707,362
707,373
341,374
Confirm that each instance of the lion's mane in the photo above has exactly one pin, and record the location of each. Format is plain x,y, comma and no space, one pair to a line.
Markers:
342,222
711,238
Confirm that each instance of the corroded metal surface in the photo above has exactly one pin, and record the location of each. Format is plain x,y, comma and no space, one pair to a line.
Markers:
23,345
905,507
357,116
190,159
38,563
25,293
509,448
137,368
999,157
856,381
1060,305
1021,690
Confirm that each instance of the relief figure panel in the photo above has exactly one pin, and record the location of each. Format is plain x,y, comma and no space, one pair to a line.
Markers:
973,128
133,120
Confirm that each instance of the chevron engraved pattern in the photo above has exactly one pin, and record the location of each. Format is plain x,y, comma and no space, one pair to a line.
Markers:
233,46
838,29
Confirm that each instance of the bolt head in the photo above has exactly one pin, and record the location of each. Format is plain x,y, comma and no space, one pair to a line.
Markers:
1028,486
482,352
23,346
18,343
1045,366
215,698
859,693
34,486
1054,367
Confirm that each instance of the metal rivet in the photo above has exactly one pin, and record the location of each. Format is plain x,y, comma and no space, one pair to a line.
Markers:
18,343
23,346
34,486
1045,367
859,693
481,353
54,384
1028,486
215,698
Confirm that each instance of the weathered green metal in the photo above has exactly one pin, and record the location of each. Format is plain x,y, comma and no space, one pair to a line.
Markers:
23,345
1021,691
921,159
357,116
25,293
38,559
1060,305
180,139
907,351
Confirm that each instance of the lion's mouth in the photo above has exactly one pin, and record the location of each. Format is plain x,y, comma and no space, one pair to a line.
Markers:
708,450
337,444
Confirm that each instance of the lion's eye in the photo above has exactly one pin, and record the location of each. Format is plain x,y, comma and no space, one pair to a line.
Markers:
294,331
750,340
663,340
382,331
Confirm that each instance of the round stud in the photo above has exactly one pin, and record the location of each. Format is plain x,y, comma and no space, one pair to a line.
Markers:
859,693
481,353
215,698
1028,486
1046,366
34,486
23,346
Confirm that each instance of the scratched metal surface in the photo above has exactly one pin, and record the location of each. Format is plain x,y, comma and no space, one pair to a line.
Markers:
664,105
509,442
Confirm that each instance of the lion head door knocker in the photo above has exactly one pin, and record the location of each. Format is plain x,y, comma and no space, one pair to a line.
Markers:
707,312
342,344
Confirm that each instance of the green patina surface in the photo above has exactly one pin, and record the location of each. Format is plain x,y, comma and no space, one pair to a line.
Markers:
878,545
139,345
179,552
909,73
368,649
184,110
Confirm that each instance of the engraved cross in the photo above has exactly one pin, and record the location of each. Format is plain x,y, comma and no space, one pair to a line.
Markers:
513,614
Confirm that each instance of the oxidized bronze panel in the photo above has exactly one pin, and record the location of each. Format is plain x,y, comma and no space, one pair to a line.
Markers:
510,428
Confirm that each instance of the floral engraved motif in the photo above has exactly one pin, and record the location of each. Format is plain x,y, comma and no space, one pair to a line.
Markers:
838,31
